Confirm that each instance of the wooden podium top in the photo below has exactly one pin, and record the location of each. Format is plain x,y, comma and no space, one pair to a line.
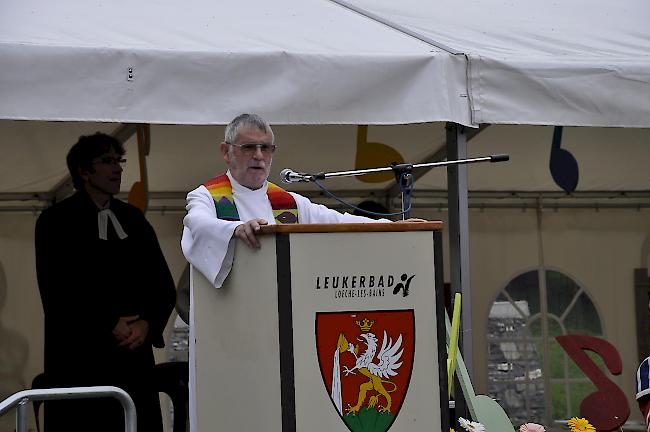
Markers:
353,227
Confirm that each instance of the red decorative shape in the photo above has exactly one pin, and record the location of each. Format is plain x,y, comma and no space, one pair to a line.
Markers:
607,408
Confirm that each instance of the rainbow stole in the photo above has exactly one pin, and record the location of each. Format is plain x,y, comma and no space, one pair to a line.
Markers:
284,206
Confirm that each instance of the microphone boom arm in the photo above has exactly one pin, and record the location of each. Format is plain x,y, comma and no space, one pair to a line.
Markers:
402,174
354,173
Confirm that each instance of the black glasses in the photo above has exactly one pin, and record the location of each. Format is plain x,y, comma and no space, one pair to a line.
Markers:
108,160
250,148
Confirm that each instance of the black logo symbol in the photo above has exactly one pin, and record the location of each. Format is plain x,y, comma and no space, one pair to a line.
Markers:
404,285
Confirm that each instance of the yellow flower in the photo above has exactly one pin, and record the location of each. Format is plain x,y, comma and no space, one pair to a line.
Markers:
581,425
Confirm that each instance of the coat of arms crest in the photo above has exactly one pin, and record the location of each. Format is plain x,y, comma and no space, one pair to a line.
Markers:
366,360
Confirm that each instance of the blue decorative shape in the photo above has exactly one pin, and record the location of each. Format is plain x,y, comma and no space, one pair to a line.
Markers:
563,165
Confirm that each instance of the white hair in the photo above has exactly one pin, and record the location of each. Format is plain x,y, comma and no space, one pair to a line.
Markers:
246,120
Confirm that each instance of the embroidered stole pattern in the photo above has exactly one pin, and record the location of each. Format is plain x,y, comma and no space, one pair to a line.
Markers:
284,206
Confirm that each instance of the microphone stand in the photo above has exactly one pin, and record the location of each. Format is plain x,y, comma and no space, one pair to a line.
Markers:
403,174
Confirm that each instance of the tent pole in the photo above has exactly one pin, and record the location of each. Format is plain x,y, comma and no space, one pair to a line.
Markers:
459,235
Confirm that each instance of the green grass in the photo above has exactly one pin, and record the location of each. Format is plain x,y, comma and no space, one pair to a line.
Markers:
369,420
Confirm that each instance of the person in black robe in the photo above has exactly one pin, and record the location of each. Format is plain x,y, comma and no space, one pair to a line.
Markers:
107,294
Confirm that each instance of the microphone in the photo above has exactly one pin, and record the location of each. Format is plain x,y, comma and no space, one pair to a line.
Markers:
499,158
289,176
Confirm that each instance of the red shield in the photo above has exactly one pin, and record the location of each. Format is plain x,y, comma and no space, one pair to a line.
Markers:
366,359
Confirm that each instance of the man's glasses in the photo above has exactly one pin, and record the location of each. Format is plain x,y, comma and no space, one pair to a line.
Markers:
251,148
108,160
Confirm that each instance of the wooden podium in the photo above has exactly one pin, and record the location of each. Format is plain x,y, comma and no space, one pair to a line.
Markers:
325,328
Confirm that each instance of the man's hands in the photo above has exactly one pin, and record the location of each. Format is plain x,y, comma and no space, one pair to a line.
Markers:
139,331
248,232
131,331
122,330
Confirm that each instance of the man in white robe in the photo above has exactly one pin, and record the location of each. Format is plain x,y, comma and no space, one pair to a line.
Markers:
207,241
208,235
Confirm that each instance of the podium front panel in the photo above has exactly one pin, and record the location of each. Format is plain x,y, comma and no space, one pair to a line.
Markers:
377,290
320,332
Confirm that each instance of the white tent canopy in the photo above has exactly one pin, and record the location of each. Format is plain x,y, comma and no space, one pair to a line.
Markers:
575,62
570,62
203,62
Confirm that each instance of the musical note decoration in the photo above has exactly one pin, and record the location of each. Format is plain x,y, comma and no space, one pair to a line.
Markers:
563,165
374,155
606,408
139,193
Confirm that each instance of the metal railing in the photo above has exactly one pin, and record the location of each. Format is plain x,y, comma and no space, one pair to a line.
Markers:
21,401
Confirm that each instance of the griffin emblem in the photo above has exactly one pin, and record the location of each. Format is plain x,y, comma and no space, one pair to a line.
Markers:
388,357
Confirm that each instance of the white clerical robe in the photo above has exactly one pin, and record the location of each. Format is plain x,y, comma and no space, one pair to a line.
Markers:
207,240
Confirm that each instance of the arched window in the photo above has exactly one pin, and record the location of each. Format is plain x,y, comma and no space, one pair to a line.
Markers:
529,374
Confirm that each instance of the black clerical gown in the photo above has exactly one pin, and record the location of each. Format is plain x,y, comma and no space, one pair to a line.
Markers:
86,285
